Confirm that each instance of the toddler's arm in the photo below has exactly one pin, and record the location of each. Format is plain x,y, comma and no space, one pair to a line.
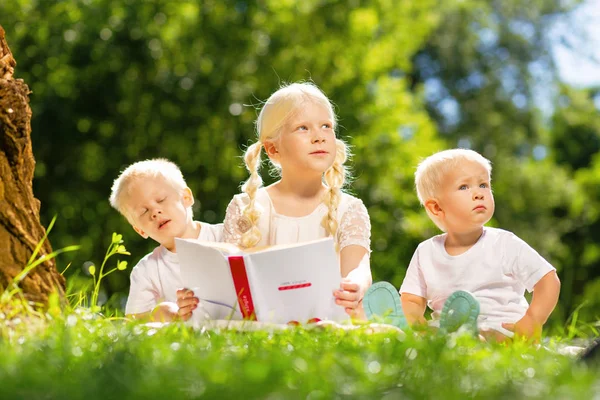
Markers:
413,307
545,297
413,291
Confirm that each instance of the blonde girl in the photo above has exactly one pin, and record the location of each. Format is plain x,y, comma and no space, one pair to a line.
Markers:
296,129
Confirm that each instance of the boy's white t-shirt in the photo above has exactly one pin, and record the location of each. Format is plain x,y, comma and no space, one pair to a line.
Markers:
496,270
157,277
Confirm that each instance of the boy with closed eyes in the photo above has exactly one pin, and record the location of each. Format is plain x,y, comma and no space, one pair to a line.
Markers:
157,202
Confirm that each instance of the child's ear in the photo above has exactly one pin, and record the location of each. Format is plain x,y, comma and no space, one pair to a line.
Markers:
271,149
140,232
433,206
188,197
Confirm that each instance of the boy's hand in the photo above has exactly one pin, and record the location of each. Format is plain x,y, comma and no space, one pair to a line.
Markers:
164,312
187,302
527,327
349,296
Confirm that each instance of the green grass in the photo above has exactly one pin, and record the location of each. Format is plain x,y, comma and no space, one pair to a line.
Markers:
70,352
80,355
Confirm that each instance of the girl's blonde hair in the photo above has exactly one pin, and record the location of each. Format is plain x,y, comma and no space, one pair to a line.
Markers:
154,168
272,117
431,173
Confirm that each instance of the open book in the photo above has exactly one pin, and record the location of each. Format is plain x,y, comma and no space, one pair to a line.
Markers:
278,284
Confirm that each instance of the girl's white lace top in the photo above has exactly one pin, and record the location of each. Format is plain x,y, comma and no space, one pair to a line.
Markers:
354,225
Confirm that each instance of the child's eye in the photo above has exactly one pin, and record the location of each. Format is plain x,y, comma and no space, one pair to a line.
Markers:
161,200
327,126
143,213
302,128
483,185
463,187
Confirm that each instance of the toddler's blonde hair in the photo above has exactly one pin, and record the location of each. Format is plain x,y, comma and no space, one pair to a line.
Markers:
432,171
153,168
276,111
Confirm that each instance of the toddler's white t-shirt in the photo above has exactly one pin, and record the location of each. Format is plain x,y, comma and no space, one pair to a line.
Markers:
157,277
496,270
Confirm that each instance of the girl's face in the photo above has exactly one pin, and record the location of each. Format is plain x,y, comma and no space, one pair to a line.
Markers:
306,145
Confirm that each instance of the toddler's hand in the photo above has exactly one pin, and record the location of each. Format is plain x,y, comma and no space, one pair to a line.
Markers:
526,327
349,296
187,302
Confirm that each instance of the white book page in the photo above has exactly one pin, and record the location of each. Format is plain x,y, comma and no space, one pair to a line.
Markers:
296,283
205,270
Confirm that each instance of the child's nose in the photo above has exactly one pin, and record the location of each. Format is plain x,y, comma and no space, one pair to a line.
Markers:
478,194
156,213
319,137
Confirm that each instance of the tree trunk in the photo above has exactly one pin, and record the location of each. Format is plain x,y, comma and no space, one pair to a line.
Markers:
20,228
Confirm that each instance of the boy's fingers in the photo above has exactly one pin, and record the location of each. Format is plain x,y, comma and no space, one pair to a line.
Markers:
185,312
187,298
187,302
184,293
185,317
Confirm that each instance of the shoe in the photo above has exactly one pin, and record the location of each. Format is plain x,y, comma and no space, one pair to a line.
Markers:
382,302
461,308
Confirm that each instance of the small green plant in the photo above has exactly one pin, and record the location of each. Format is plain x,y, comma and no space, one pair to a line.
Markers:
116,247
575,327
13,293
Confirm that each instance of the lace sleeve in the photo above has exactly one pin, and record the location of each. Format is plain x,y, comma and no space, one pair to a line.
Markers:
231,231
355,226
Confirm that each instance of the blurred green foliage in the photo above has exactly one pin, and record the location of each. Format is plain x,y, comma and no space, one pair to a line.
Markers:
77,355
117,81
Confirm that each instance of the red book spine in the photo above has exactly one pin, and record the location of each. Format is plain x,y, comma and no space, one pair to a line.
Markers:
242,287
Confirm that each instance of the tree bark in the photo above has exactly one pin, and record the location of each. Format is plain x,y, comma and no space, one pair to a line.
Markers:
20,227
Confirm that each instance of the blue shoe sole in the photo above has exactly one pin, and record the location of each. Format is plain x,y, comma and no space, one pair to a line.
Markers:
382,302
461,308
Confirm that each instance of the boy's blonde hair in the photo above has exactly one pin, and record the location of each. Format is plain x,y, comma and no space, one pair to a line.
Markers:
154,168
432,171
276,111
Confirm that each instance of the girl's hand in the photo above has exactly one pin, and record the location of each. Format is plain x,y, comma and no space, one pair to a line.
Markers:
187,302
349,296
